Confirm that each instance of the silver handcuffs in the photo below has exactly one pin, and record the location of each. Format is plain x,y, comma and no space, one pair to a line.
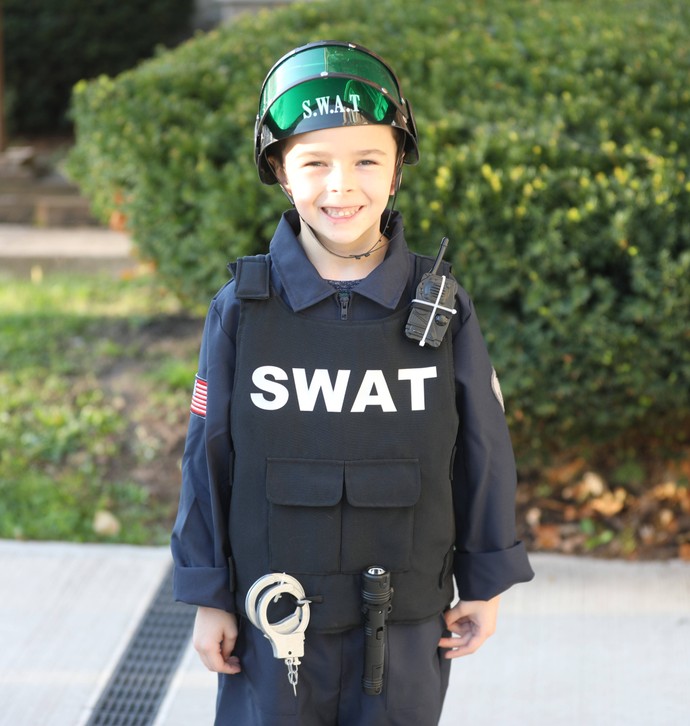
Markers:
287,635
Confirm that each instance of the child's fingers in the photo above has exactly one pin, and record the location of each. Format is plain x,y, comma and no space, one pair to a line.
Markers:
213,659
462,644
232,665
214,638
227,645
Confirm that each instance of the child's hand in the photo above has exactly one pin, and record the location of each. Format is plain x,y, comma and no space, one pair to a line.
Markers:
472,622
215,633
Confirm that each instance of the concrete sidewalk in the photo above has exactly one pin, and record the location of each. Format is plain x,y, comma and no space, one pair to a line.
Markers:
587,642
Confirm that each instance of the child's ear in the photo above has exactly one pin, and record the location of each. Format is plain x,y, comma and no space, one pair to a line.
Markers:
395,183
397,177
281,176
279,171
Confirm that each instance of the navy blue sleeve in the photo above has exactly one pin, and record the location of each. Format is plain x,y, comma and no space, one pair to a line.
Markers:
202,560
488,559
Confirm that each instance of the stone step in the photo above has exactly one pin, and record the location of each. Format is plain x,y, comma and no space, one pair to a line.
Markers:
27,250
33,194
45,208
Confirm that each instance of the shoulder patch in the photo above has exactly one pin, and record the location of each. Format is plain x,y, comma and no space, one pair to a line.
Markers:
199,397
496,388
253,277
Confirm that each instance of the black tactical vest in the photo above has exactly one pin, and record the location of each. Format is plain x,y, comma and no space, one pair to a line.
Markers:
344,435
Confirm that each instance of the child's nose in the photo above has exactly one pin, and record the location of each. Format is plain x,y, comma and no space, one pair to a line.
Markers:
340,179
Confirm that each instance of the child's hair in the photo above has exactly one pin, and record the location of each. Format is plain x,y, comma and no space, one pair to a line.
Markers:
329,84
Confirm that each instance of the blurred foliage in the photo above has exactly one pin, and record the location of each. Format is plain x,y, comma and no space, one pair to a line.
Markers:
51,44
554,140
71,440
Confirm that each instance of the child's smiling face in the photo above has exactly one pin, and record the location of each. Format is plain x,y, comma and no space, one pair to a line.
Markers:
340,180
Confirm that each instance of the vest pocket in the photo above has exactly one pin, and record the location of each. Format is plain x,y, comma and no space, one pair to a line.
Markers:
314,530
378,523
304,515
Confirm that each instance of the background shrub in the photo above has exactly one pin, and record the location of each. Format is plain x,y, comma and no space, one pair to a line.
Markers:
51,44
554,140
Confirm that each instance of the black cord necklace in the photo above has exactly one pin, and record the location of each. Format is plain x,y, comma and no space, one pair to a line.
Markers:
376,246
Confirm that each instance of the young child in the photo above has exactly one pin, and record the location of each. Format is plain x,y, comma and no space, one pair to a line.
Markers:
324,441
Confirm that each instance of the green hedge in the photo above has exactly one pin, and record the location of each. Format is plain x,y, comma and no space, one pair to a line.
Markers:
554,140
51,44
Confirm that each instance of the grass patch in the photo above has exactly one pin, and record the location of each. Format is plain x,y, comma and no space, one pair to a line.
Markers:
95,374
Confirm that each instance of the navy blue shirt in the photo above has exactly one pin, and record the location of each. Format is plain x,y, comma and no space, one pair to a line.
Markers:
488,559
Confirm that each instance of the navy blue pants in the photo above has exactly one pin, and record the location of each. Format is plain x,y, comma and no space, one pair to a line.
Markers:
329,691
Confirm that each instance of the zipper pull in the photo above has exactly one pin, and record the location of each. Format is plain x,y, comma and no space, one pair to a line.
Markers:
344,298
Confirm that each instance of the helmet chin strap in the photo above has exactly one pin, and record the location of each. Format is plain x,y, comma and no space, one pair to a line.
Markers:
288,195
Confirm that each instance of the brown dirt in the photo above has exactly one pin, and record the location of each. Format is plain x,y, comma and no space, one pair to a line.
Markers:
157,418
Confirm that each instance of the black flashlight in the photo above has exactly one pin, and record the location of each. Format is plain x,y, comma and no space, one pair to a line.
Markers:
376,605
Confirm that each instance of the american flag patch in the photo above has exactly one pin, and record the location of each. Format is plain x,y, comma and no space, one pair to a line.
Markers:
199,397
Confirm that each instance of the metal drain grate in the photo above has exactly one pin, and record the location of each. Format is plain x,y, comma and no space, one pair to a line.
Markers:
136,689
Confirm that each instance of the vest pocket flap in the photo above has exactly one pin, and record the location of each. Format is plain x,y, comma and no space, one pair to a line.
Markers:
304,482
383,483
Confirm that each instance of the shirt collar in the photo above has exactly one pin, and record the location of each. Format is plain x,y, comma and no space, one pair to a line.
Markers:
303,285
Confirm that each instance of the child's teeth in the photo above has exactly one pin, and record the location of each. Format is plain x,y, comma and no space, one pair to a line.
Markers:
341,212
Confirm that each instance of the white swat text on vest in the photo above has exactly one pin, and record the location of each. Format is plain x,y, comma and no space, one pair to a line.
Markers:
373,389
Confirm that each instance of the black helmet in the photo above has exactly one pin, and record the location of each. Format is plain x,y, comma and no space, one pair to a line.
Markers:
326,85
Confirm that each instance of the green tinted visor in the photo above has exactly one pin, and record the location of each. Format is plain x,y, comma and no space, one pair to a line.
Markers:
327,102
323,61
328,85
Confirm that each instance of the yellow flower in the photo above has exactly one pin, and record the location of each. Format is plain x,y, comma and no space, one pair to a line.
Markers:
621,174
442,177
516,172
492,177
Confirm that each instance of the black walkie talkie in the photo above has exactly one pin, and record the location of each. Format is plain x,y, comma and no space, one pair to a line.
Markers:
433,307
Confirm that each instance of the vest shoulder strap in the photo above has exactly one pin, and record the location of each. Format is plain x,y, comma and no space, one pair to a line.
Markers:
423,264
252,277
